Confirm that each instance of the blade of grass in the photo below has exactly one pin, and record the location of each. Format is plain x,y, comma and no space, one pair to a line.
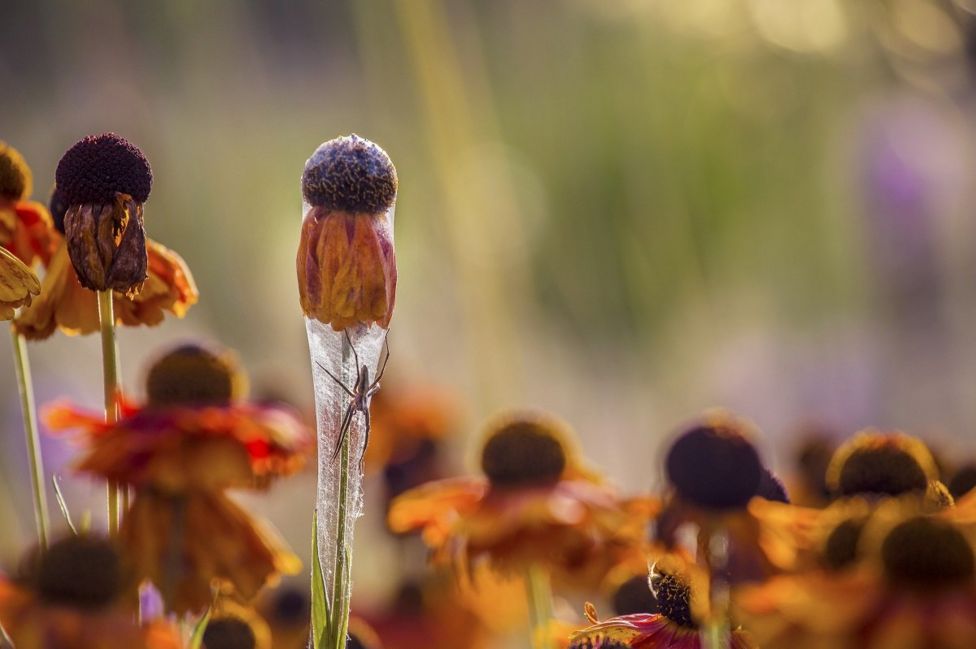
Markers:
62,504
320,605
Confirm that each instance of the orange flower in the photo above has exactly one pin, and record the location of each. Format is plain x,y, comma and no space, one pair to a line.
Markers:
346,264
26,228
18,284
192,440
404,418
538,505
680,589
914,589
73,600
65,304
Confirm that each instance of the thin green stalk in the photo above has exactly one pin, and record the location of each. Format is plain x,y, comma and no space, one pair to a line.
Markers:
540,606
715,633
25,386
340,591
110,375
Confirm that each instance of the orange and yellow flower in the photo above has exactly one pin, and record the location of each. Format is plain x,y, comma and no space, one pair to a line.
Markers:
681,591
66,305
74,600
26,228
912,584
192,440
18,284
537,505
346,263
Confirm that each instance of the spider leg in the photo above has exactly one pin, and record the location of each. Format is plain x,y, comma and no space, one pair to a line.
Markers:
362,457
386,359
336,379
343,430
355,354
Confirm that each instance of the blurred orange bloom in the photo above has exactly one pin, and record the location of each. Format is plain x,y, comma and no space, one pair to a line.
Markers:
912,586
65,304
538,505
18,284
74,602
26,227
681,589
402,417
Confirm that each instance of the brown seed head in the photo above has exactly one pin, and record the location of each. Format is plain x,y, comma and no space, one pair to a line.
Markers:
191,375
524,451
350,174
16,180
926,552
229,633
888,464
98,167
81,572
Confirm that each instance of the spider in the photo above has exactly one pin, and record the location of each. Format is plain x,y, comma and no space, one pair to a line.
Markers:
359,396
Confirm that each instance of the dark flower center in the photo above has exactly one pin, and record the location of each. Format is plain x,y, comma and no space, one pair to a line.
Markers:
772,488
886,470
291,606
350,174
80,571
59,207
673,596
634,596
523,453
926,552
99,166
598,643
229,633
840,550
713,465
193,376
963,481
15,175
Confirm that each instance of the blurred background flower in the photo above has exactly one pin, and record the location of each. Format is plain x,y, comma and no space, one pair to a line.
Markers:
623,212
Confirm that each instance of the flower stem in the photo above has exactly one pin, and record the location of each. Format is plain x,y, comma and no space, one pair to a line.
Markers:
341,591
110,375
715,632
540,606
36,461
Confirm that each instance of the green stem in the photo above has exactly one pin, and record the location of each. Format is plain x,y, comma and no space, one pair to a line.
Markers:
715,633
340,590
540,606
25,386
110,375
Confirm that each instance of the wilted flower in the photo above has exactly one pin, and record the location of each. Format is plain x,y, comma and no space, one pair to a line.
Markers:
72,597
64,303
536,505
346,265
193,439
104,180
26,229
18,284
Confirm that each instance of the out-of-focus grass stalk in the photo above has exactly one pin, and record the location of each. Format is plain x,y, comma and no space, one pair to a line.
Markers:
28,409
540,606
110,376
480,217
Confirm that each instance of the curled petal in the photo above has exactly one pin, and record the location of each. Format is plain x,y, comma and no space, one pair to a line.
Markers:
18,284
346,268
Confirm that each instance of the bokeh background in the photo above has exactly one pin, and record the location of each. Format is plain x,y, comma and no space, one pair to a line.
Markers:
623,211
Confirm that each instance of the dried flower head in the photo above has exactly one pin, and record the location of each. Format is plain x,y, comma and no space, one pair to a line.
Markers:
887,464
191,375
16,180
841,548
229,633
524,451
713,464
927,552
105,180
346,263
98,167
82,572
58,206
350,174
